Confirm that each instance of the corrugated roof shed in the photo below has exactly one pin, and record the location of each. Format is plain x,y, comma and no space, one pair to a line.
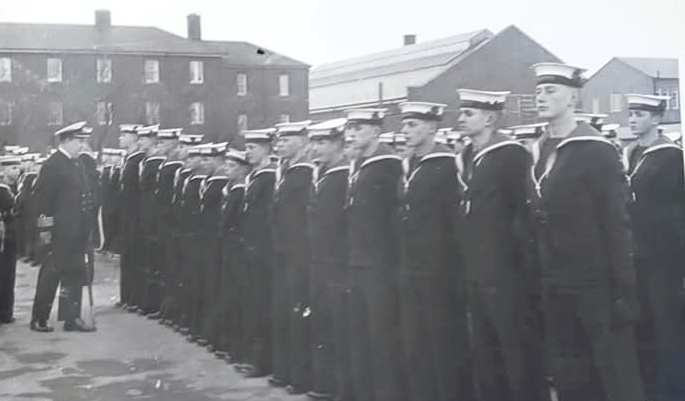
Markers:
654,67
388,74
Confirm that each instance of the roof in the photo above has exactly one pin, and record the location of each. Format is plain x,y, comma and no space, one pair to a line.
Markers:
654,67
390,73
245,53
24,37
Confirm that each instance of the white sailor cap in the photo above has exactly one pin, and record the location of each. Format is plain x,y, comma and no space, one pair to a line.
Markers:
20,150
293,128
85,133
111,151
387,137
400,138
528,130
239,156
169,133
30,157
129,128
41,160
610,130
422,110
675,136
558,73
595,120
259,135
652,103
148,131
212,149
328,129
72,129
454,136
11,148
365,116
442,136
478,99
198,149
190,139
10,160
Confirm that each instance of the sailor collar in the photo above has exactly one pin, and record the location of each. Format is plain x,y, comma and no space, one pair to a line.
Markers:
303,164
172,163
217,178
237,186
197,177
136,153
497,142
155,158
262,171
662,143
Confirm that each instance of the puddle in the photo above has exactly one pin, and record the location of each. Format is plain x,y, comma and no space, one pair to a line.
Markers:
40,357
8,374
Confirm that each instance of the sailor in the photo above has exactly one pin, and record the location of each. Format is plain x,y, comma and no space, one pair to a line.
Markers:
497,245
655,167
432,290
373,256
9,170
588,278
331,377
291,323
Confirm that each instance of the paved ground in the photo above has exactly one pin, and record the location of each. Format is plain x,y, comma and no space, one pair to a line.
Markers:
128,358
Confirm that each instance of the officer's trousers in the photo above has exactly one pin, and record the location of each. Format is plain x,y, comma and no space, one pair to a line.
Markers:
8,270
578,329
375,335
46,289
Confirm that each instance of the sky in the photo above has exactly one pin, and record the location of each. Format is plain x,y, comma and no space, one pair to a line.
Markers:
586,33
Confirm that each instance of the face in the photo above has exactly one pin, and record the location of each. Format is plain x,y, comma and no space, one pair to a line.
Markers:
458,146
403,150
418,132
288,146
472,121
642,122
166,146
362,135
326,150
554,100
72,146
127,140
146,143
84,145
350,151
11,173
256,153
234,170
193,162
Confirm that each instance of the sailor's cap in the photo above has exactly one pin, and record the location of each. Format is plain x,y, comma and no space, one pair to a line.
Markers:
478,99
293,128
422,110
239,156
148,131
169,133
652,103
365,116
558,73
259,135
189,139
328,129
72,129
528,130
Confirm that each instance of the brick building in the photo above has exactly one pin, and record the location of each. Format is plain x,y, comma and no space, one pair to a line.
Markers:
433,71
604,92
53,74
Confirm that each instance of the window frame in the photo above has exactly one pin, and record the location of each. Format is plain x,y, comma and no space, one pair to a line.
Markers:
244,83
242,126
52,112
616,103
8,70
149,107
197,74
55,78
107,110
146,70
284,120
197,113
8,107
675,100
99,67
281,92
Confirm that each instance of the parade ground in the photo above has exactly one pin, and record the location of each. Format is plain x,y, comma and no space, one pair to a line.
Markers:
128,358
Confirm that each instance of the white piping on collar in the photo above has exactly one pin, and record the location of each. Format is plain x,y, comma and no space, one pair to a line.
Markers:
264,170
436,155
195,177
310,165
172,163
137,152
217,178
336,169
379,158
584,138
155,158
237,186
660,147
492,147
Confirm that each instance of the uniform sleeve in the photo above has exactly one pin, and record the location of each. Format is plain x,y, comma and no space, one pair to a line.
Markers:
611,194
46,190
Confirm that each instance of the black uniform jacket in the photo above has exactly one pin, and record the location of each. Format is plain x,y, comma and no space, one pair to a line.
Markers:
212,199
231,217
59,192
293,188
372,209
148,188
581,205
7,215
327,224
658,207
129,202
192,204
256,219
430,205
496,233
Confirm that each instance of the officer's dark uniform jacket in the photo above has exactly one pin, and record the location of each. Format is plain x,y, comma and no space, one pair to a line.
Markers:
24,214
430,204
7,214
496,231
580,202
373,222
8,254
59,191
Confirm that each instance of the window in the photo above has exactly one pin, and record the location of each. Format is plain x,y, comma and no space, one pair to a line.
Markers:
616,102
152,113
241,82
284,85
512,104
55,113
284,118
5,69
104,113
54,70
242,122
5,113
197,113
664,92
595,105
675,100
151,71
197,74
104,73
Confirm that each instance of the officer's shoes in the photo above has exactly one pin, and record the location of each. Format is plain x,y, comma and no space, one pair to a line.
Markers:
78,325
154,316
318,395
7,320
277,382
41,327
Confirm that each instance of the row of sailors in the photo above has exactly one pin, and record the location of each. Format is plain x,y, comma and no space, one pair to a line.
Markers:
504,273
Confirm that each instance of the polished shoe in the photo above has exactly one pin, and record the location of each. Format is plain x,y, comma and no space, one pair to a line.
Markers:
8,320
252,372
293,390
319,396
154,316
141,312
41,327
277,382
184,330
202,342
131,308
220,354
78,325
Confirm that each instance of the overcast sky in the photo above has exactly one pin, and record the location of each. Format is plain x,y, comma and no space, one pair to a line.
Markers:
586,33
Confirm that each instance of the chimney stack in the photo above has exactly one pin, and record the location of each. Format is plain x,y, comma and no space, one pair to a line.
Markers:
103,19
409,39
194,27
